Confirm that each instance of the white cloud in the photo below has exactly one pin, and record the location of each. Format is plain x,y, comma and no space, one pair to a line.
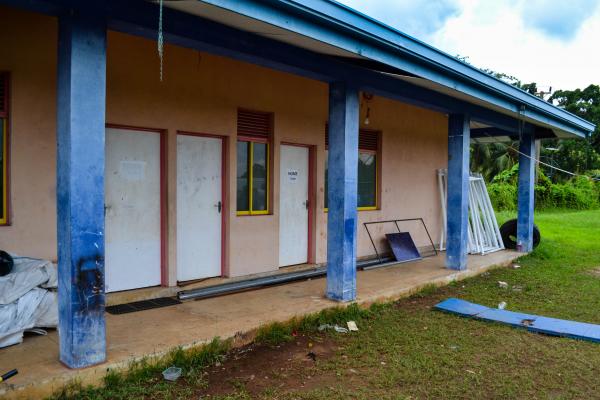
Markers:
499,39
534,40
419,18
559,19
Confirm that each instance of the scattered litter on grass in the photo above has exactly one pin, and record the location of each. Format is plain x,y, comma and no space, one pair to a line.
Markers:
502,305
503,284
172,373
469,371
517,288
337,328
516,266
453,347
352,326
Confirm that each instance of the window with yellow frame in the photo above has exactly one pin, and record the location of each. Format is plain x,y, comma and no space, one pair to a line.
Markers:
367,190
253,162
3,148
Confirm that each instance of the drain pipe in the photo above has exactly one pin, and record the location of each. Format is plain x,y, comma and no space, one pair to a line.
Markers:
233,287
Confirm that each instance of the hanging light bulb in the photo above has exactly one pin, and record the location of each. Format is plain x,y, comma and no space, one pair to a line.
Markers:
367,118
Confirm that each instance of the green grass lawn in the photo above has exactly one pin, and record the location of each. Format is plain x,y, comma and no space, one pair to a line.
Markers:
404,350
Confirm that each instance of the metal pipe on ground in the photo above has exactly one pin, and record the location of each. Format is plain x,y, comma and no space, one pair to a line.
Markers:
233,287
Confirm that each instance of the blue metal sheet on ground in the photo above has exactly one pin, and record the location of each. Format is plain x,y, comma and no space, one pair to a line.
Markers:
403,247
533,323
571,329
506,317
461,307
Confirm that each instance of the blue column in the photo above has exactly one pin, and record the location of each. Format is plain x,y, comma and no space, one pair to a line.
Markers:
342,181
80,188
526,192
459,136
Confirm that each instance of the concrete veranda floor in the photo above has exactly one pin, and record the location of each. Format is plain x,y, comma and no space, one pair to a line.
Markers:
154,332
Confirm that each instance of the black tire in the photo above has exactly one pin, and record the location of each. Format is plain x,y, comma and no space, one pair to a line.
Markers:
508,231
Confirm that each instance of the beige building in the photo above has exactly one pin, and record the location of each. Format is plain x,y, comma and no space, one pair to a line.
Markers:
203,94
264,138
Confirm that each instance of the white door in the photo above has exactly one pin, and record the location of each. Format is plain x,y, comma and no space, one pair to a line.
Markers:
199,207
132,209
293,206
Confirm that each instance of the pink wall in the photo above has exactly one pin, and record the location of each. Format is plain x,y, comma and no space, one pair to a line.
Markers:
201,93
28,52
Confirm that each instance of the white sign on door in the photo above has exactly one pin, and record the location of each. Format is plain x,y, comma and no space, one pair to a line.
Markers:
292,175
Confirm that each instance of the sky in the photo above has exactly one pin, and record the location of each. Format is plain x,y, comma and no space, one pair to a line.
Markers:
555,43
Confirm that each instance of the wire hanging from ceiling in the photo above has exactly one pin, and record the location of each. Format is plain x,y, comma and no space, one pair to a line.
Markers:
160,40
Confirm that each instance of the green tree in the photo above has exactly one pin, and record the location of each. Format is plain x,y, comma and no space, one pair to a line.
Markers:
490,159
577,156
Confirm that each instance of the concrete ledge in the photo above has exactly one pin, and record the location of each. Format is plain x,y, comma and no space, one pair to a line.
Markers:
153,333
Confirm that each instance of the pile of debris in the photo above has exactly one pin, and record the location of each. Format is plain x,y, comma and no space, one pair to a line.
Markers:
28,297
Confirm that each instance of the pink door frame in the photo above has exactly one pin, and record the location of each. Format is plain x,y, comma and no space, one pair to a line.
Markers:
164,270
312,201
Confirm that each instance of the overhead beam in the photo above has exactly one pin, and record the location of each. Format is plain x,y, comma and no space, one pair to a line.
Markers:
140,18
333,23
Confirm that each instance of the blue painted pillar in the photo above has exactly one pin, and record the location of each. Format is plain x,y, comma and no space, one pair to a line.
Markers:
526,196
459,137
342,183
80,188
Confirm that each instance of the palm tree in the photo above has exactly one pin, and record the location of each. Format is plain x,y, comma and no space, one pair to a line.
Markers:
489,159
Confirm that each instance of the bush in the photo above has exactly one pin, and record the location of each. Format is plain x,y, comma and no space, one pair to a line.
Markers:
578,193
503,196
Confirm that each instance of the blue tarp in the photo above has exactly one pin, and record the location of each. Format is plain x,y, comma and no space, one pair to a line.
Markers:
533,323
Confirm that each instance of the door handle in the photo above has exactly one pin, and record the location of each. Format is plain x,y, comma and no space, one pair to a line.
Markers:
219,207
307,204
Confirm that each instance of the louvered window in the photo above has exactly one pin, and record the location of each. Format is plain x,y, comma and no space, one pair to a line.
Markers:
368,157
254,131
3,148
367,139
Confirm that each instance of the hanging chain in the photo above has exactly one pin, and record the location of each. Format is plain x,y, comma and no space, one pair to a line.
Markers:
160,41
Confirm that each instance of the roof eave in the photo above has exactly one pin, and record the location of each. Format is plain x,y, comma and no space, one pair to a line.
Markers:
341,26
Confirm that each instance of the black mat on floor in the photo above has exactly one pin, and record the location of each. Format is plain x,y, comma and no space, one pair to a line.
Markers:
142,305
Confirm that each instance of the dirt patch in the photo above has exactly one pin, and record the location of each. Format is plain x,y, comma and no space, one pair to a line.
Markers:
594,272
258,368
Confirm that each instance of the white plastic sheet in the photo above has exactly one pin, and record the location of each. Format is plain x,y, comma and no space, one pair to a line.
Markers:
25,299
